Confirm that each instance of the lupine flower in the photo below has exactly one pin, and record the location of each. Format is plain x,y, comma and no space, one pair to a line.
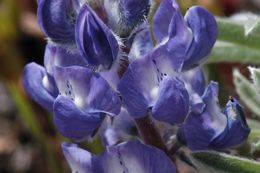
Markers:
38,81
85,97
188,40
80,81
145,86
215,129
131,157
76,116
152,81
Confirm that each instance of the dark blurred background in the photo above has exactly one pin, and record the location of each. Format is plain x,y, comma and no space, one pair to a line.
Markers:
28,140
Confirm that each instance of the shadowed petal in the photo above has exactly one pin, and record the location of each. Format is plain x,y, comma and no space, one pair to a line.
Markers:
95,40
134,157
172,104
57,19
138,87
88,90
35,83
72,122
80,161
204,29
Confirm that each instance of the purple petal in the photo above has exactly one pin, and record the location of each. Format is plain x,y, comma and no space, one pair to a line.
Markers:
138,87
72,122
208,125
36,85
56,55
88,90
140,84
80,160
111,76
141,42
94,39
179,40
125,15
205,32
172,104
237,129
162,19
134,156
57,19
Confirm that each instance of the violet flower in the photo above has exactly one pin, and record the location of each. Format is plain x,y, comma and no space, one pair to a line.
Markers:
188,40
132,157
153,80
38,81
215,129
85,97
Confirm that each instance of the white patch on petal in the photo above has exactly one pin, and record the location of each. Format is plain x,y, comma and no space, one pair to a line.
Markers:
79,101
154,92
45,82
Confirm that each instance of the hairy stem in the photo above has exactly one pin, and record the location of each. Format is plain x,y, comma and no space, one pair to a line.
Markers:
149,133
176,146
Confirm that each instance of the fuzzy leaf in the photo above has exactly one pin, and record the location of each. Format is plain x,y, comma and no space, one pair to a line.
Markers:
223,163
238,40
233,53
255,74
247,92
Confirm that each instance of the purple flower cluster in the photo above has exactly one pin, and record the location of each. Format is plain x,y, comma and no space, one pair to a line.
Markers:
104,61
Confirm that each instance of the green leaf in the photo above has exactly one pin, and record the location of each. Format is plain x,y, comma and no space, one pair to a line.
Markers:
233,53
255,74
223,163
247,92
255,130
238,40
242,30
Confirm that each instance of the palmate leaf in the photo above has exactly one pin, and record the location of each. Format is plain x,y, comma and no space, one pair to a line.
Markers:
222,163
247,92
238,41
